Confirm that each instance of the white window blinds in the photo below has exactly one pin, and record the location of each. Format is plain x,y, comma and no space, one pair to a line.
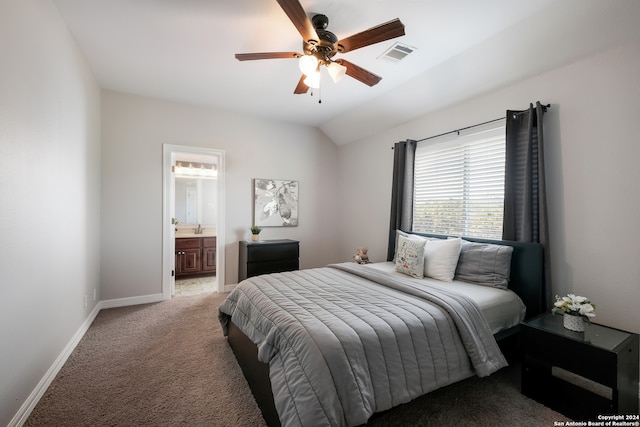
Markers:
459,184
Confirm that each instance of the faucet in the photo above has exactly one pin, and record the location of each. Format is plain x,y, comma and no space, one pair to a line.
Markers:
198,230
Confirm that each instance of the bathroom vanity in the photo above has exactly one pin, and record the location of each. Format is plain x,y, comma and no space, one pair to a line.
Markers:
195,255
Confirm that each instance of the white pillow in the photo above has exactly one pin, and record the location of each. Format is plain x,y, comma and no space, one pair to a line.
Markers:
441,258
410,255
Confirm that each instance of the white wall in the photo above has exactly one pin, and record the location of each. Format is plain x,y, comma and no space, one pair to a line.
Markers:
133,131
49,195
592,151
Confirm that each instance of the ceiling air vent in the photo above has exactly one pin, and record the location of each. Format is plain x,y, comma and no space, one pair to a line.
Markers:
397,52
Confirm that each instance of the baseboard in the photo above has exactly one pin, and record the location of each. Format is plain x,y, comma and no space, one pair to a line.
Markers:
124,302
25,410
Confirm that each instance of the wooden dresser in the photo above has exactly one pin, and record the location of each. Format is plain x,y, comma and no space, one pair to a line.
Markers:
267,256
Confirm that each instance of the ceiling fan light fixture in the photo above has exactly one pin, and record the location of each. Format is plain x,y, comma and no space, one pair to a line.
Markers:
336,71
319,46
313,80
308,64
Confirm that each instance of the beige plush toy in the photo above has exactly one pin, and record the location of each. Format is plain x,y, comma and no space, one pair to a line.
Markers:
361,256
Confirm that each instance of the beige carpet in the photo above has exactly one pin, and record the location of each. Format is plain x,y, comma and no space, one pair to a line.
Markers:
167,364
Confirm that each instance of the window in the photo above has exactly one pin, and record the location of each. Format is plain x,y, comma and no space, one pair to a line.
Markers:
459,184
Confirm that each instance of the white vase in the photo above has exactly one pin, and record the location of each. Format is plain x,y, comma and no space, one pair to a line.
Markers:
574,323
255,237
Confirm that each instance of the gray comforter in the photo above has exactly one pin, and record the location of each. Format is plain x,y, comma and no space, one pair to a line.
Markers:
346,340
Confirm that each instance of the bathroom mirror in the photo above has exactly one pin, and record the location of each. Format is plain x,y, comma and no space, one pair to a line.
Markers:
196,201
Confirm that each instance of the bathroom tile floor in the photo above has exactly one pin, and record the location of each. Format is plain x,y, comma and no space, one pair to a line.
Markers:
196,285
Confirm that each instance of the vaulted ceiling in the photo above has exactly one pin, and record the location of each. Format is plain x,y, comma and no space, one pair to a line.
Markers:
183,50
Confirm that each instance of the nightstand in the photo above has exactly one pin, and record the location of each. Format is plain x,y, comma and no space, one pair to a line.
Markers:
267,256
580,374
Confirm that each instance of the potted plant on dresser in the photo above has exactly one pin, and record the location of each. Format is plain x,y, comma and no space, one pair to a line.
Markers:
255,233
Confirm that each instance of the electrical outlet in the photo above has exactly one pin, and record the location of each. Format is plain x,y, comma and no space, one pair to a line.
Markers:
85,300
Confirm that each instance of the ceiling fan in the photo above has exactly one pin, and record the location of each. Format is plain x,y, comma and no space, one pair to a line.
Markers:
319,46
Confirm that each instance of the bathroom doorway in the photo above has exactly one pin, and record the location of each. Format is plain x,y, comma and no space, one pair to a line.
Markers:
193,203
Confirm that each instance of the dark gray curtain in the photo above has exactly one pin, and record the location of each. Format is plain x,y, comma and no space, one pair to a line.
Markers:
401,191
525,198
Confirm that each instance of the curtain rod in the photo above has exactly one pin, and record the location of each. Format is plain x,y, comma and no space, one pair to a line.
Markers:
544,109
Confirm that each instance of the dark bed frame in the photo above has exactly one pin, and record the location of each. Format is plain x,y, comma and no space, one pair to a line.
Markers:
526,280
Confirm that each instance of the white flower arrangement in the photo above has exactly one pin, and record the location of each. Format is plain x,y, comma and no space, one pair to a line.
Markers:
575,305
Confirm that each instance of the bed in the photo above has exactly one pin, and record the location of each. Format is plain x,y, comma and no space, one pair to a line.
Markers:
334,345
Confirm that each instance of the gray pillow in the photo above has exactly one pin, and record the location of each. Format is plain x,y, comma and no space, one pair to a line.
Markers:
484,264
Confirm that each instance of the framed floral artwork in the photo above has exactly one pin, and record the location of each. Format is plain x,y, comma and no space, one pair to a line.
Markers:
275,203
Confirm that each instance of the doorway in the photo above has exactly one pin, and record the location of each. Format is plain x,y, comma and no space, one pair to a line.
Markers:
196,176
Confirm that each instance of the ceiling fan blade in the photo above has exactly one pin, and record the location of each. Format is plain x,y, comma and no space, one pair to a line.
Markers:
267,55
301,88
388,30
360,73
299,18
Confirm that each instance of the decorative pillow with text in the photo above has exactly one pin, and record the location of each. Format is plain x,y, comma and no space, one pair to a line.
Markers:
410,256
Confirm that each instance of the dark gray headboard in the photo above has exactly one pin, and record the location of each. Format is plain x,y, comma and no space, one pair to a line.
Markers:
527,269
